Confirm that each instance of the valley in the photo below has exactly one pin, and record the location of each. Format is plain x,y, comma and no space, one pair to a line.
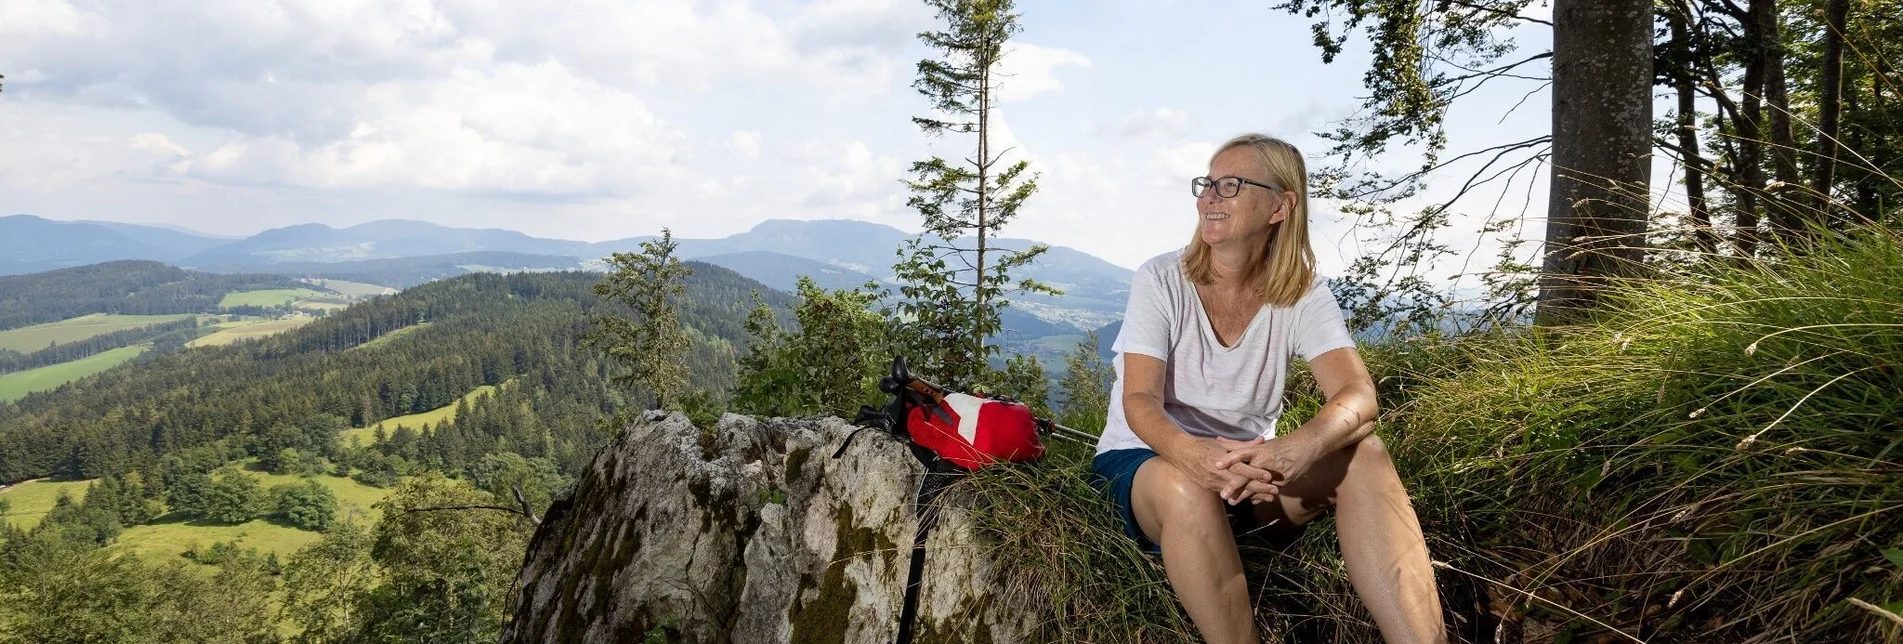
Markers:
149,394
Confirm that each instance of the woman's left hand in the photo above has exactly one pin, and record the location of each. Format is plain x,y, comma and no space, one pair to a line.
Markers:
1275,461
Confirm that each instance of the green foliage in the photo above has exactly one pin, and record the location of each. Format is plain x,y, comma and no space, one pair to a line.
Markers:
325,583
309,505
91,523
1727,436
234,497
52,591
1086,387
651,345
189,492
830,365
954,288
538,478
446,573
1024,379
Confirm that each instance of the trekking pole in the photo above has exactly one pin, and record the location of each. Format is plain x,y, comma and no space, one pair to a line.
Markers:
935,393
1051,427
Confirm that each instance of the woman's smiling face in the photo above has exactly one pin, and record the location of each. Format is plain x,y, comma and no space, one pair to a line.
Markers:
1246,218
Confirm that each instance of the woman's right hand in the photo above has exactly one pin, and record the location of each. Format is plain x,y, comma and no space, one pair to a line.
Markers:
1202,458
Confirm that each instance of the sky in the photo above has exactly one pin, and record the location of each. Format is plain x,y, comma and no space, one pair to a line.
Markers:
596,120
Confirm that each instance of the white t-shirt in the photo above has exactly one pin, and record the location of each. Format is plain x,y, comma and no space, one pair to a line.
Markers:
1208,389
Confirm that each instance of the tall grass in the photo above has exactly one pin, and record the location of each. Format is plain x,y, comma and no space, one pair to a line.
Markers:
1719,458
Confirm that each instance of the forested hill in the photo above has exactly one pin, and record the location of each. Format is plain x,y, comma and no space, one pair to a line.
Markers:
355,368
131,287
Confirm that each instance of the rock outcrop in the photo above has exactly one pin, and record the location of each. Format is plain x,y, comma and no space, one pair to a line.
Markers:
750,531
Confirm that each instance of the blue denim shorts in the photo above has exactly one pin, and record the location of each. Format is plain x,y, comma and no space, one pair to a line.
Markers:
1115,472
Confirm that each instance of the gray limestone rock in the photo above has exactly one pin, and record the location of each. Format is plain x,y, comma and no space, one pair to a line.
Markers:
750,532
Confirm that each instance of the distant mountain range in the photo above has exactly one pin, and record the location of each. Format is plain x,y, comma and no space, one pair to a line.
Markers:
401,253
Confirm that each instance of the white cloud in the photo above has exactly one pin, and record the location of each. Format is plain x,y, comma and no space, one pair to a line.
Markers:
1028,70
28,17
533,130
745,142
461,95
155,142
849,174
1162,122
1176,164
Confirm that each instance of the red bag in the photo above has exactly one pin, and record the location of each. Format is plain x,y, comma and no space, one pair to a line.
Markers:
972,432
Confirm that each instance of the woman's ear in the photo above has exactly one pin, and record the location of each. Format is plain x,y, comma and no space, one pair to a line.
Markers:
1284,206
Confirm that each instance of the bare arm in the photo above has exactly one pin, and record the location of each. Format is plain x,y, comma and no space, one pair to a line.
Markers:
1197,457
1348,415
1143,406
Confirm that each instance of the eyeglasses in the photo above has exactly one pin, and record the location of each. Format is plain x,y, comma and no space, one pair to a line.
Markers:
1226,187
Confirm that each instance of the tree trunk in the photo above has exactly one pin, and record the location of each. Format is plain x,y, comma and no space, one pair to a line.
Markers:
984,201
1748,177
1602,143
1829,108
1687,124
1786,218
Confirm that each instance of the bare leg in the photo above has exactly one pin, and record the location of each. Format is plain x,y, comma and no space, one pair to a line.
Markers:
1199,552
1381,540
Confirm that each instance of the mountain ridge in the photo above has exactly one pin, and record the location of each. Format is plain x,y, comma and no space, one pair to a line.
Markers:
839,253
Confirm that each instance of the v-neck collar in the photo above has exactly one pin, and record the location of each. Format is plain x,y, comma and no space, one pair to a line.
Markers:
1208,326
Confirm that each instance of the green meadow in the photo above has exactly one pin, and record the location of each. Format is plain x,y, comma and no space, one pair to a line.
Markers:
30,500
33,338
171,534
433,417
17,385
387,337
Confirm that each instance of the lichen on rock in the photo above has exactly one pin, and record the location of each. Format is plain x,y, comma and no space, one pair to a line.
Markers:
749,532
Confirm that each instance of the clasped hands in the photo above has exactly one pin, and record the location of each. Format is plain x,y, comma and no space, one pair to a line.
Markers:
1251,471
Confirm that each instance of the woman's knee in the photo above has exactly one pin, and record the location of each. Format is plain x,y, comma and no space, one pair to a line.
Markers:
1173,500
1372,468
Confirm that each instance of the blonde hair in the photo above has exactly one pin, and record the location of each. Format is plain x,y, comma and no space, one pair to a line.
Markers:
1287,268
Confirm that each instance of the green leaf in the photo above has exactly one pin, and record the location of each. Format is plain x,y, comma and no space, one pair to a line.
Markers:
1895,555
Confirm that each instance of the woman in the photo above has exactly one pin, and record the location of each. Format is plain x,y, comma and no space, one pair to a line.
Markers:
1190,445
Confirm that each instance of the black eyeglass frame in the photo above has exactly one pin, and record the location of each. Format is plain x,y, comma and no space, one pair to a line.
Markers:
1200,185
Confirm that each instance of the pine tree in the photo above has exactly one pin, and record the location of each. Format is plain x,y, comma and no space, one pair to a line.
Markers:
1086,387
652,345
954,287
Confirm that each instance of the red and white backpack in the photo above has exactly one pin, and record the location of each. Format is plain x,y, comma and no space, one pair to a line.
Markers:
951,431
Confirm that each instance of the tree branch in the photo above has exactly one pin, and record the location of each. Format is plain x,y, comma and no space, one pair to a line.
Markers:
1496,11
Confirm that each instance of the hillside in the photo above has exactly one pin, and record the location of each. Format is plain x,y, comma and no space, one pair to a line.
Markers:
401,253
404,272
482,329
30,244
124,287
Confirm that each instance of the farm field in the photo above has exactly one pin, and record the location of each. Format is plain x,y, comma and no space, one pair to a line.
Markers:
367,435
268,297
229,332
32,499
352,289
28,339
17,385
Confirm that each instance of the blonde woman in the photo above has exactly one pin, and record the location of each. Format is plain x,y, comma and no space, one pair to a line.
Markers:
1190,454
